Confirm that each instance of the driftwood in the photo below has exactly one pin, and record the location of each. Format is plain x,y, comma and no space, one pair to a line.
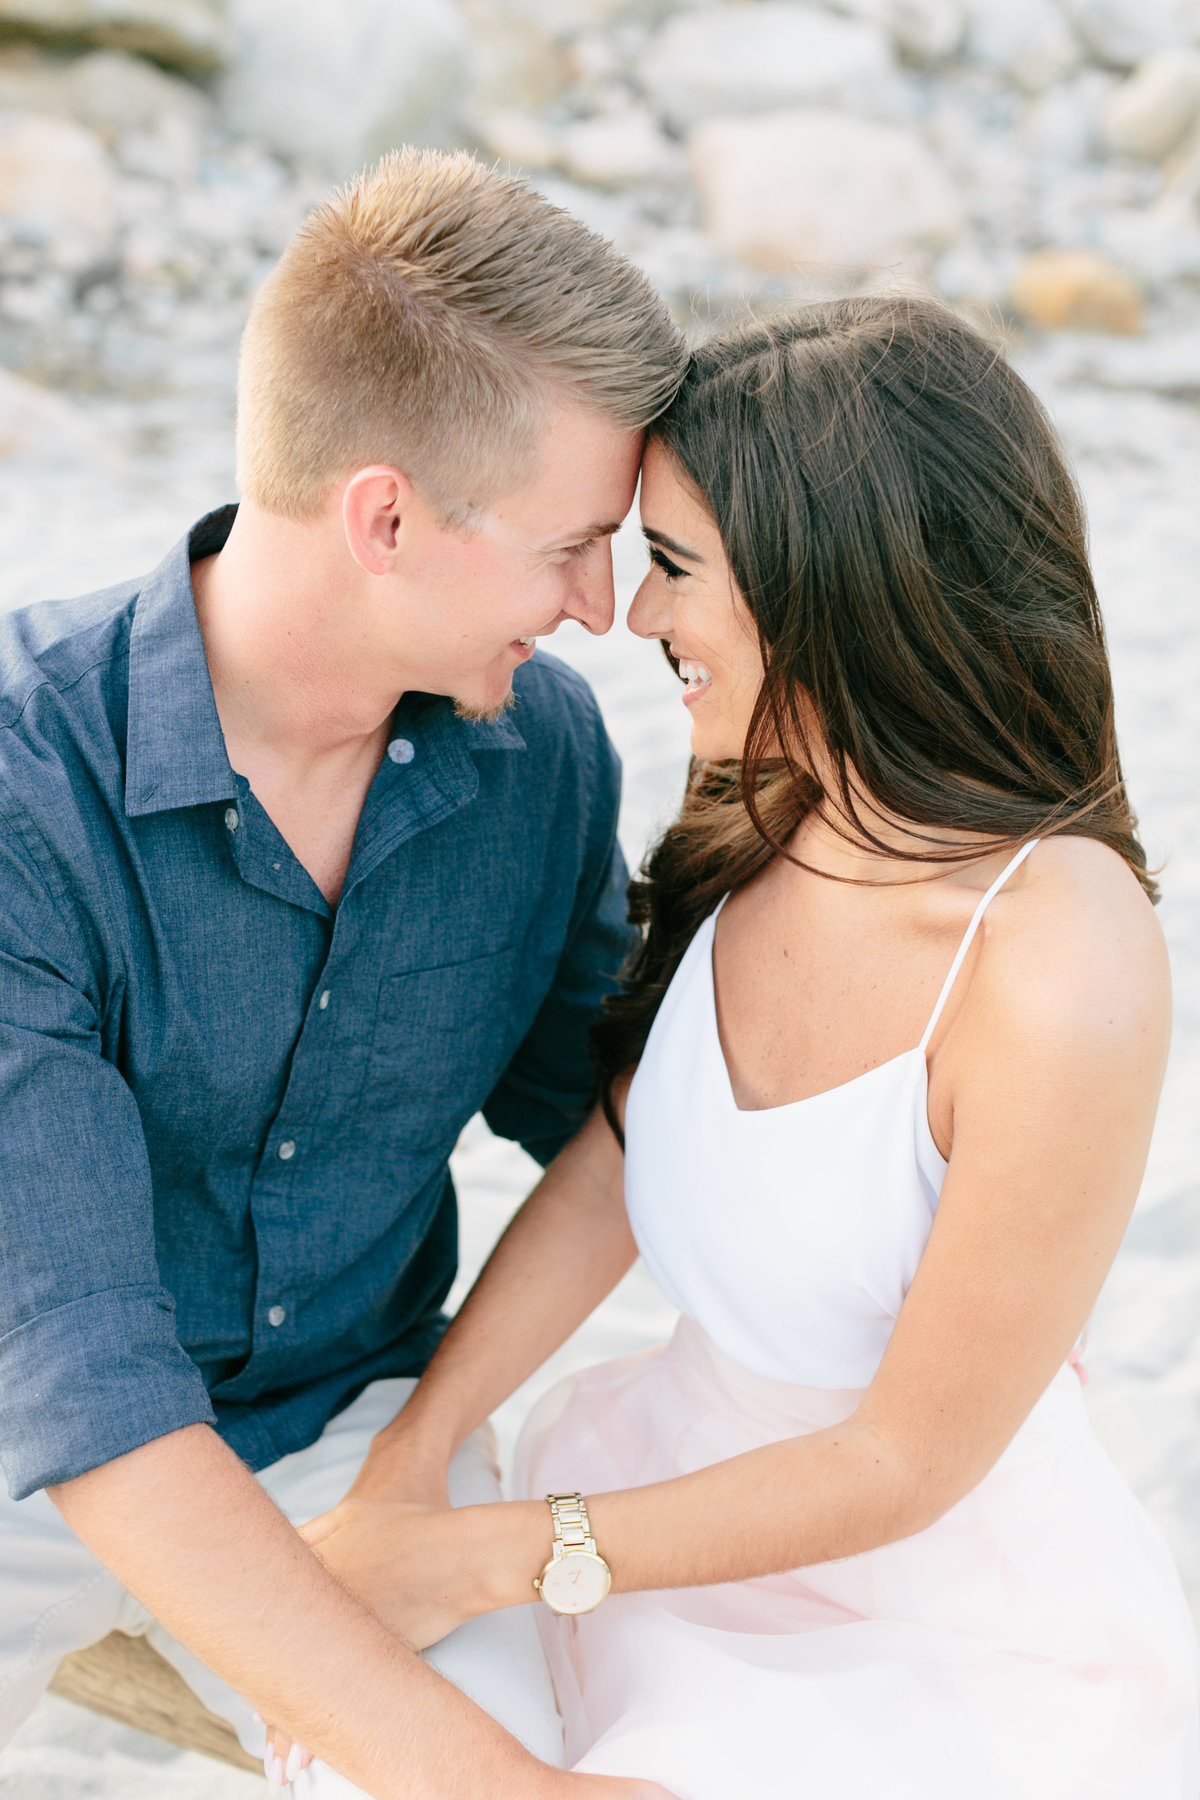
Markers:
127,1680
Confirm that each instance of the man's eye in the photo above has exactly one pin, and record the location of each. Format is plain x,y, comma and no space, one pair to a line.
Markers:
671,570
581,549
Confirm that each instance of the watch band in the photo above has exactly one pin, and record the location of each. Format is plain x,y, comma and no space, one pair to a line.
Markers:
572,1527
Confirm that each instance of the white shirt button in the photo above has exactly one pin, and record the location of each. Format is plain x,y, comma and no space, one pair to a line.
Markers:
323,1002
401,751
277,1315
232,820
287,1150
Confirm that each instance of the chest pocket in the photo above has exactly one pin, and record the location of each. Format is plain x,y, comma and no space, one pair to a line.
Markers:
442,1039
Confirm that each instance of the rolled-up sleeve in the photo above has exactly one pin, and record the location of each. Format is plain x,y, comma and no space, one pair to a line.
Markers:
90,1366
549,1087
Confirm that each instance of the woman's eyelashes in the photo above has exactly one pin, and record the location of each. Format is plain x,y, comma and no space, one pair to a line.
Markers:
671,570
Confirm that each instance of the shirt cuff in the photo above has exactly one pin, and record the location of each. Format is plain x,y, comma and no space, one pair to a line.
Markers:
89,1381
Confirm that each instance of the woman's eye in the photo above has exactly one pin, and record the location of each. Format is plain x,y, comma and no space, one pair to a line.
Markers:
671,570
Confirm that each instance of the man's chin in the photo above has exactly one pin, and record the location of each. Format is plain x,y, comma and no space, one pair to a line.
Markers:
485,714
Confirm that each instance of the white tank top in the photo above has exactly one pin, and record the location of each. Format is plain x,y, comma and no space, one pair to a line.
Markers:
790,1234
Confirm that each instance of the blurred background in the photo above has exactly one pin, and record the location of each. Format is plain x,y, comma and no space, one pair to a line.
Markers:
1034,162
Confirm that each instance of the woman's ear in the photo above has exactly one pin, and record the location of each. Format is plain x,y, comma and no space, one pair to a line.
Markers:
374,504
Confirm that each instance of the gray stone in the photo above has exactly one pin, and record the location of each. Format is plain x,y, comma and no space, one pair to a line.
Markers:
57,189
189,34
1123,33
811,186
1029,42
1152,112
617,148
335,86
921,30
750,59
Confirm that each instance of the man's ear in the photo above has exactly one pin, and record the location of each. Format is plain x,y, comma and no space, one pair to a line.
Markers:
374,503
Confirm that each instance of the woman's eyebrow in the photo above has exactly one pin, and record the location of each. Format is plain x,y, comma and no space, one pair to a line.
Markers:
654,536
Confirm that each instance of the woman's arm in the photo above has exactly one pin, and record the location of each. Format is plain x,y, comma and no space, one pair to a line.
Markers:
1055,1067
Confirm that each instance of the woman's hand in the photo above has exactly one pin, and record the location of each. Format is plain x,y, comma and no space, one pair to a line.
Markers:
421,1569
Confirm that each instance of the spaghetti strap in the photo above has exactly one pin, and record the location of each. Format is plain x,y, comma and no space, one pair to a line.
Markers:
972,928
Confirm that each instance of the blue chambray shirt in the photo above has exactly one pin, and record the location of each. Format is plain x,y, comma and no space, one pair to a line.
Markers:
226,1111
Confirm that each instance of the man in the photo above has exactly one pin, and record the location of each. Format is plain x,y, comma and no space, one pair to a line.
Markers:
302,862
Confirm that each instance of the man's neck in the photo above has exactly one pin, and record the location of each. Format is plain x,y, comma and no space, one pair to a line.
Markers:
277,609
304,713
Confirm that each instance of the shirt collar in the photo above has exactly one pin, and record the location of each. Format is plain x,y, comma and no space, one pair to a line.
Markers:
175,748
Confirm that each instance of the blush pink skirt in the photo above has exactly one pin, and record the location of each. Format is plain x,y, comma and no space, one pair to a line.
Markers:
1034,1644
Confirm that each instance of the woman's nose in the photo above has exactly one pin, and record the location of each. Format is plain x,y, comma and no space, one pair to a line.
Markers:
650,611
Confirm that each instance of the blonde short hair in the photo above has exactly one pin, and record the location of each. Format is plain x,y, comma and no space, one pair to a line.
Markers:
419,319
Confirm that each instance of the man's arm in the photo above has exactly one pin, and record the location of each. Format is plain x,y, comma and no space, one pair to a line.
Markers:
191,1533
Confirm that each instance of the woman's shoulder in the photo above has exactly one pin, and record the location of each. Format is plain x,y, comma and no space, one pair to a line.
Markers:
1072,952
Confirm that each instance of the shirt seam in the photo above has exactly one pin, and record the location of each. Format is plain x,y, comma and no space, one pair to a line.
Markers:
164,1304
101,662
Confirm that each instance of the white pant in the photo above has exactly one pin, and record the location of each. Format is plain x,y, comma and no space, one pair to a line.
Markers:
55,1597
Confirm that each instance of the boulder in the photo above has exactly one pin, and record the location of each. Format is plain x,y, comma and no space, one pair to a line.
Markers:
1077,290
819,187
188,34
335,86
617,148
921,30
44,431
57,189
1123,33
1029,42
517,138
750,59
1150,114
558,19
152,121
512,64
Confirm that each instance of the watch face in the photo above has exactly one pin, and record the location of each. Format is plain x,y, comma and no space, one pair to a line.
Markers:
575,1582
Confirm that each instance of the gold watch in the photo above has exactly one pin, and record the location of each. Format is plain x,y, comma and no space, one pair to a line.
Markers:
577,1578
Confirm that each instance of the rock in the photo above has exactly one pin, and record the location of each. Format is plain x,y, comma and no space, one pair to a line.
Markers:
749,59
1158,244
1027,41
1063,127
57,189
188,34
921,30
112,93
336,86
1123,33
511,64
1077,290
40,430
1152,112
151,120
109,91
617,148
815,186
563,19
518,139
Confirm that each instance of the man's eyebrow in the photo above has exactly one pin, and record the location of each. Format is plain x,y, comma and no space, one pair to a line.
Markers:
654,536
586,534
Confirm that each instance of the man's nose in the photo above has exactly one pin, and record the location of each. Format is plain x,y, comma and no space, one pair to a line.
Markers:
593,601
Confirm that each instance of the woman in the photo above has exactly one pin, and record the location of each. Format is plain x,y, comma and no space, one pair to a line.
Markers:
887,1063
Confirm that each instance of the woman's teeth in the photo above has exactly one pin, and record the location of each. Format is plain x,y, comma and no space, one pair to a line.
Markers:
527,640
695,674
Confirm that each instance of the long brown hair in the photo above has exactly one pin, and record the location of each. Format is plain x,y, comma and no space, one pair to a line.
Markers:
911,547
